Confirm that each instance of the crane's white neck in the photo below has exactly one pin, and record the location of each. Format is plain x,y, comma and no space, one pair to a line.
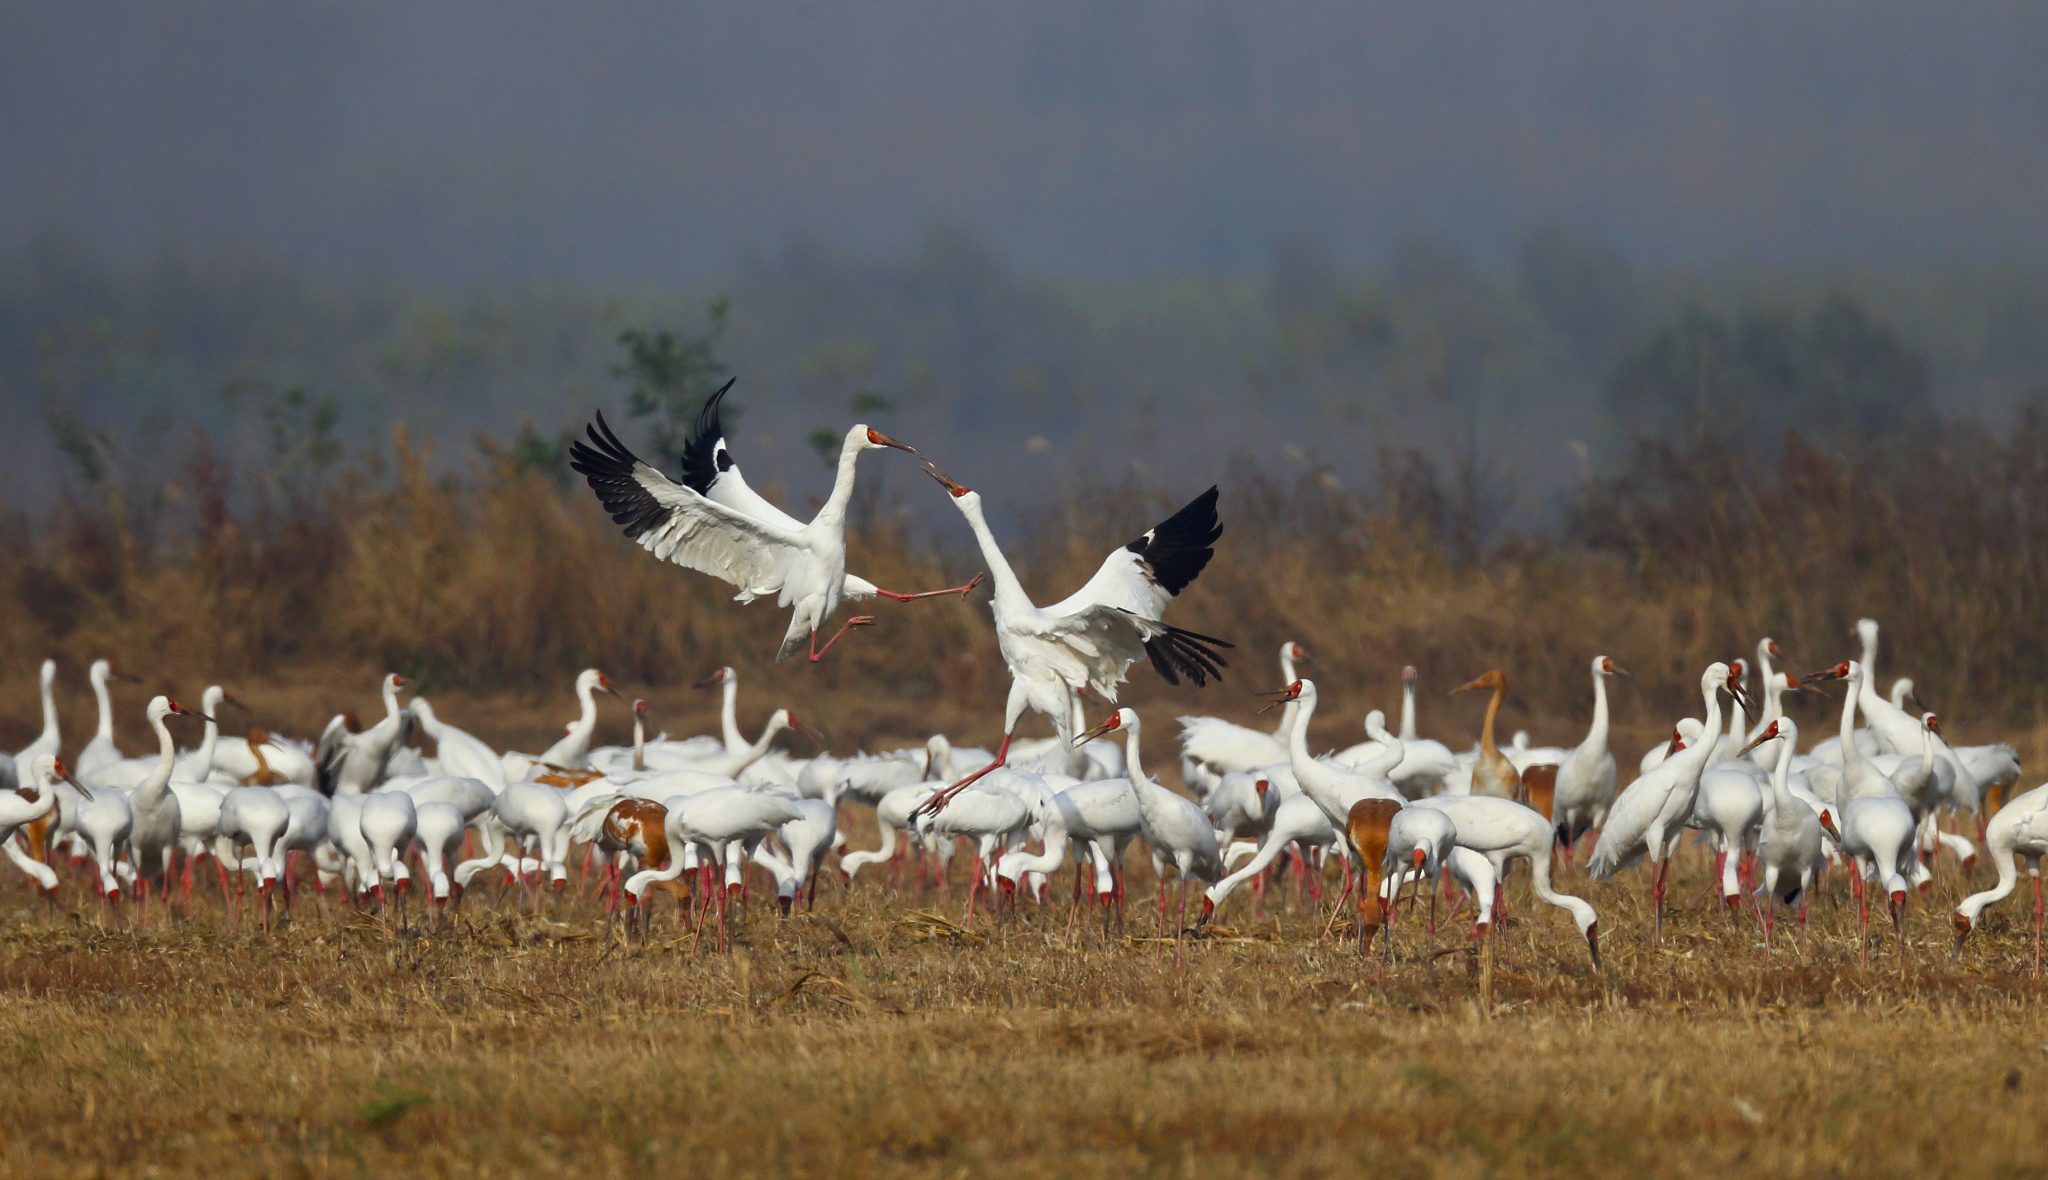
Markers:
1287,711
639,741
391,700
1999,843
1132,766
1392,750
1869,664
49,679
1781,784
1596,735
1315,780
729,714
1694,758
1408,733
1850,755
105,732
211,703
1009,593
834,509
586,717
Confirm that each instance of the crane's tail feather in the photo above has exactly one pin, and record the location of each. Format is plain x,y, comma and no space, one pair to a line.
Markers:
1176,653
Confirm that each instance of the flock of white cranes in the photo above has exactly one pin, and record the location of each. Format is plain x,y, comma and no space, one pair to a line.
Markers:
363,812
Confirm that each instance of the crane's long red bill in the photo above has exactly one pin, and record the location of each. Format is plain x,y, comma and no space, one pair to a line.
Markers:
946,481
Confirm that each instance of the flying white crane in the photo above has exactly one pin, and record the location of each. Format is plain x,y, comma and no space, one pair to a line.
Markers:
1092,637
712,522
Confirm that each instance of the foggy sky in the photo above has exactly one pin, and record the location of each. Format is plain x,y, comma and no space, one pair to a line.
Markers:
461,141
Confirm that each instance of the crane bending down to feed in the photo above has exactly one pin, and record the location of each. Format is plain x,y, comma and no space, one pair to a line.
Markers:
1092,637
714,523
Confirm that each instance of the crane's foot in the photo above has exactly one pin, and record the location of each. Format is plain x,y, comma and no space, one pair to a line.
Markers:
818,653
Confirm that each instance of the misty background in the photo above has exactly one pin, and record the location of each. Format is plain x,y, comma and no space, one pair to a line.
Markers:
1484,247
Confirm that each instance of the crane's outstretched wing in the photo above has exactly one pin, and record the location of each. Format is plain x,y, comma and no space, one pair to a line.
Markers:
677,523
330,754
709,469
1122,605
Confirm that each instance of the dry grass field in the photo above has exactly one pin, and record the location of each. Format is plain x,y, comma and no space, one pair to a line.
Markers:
877,1036
881,1035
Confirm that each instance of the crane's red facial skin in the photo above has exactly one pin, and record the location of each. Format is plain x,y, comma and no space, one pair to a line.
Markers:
398,681
1772,647
639,707
793,723
877,439
1933,724
1262,786
1420,857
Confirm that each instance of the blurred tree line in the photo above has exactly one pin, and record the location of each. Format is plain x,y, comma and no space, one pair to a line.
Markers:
1477,399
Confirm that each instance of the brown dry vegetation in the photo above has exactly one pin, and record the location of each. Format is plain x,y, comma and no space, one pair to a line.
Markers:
866,1040
870,1038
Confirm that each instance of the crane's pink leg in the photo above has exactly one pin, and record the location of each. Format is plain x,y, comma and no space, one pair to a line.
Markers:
963,590
2037,926
1657,903
818,653
1862,917
938,799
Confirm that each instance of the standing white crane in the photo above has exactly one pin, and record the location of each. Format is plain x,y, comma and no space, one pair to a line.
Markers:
1585,779
1788,848
459,752
712,522
18,810
1177,830
1504,831
1093,636
2020,829
1650,814
1872,823
1212,747
350,763
1334,788
155,828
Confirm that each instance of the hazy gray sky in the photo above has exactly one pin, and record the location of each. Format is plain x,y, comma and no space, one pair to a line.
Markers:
467,140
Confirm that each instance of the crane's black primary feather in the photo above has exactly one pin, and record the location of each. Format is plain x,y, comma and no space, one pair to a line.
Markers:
607,465
1178,547
1180,653
703,457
